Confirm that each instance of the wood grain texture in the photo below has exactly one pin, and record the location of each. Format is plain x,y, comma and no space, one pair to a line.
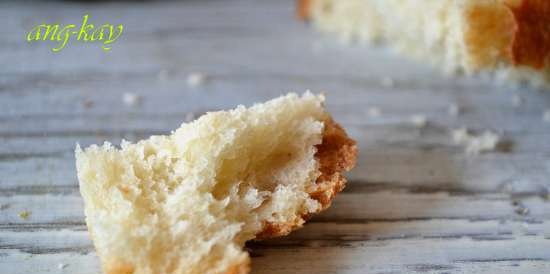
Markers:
415,203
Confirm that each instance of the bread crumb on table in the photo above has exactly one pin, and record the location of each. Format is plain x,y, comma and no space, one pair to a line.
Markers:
419,120
521,209
475,144
131,99
25,214
196,79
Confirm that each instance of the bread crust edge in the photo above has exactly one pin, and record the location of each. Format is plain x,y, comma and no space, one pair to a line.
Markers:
336,154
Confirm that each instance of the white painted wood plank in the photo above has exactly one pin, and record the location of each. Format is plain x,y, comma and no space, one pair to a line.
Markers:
15,262
72,119
76,238
491,242
413,255
485,107
416,229
434,256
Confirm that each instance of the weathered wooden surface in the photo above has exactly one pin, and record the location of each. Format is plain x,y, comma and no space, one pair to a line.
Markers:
415,203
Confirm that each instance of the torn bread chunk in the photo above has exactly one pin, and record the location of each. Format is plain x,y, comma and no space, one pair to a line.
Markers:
507,38
188,202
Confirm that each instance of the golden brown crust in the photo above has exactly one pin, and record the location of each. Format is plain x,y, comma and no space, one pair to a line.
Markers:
303,9
489,34
243,268
271,230
531,41
336,154
515,31
118,267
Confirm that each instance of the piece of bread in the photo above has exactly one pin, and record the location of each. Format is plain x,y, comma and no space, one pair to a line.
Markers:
188,202
509,38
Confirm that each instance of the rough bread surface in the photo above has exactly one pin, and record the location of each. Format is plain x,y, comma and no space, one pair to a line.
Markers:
508,38
187,203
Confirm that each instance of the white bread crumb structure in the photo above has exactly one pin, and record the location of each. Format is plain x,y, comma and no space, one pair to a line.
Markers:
187,203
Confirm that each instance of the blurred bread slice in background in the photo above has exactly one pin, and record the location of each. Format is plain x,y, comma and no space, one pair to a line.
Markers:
509,39
188,202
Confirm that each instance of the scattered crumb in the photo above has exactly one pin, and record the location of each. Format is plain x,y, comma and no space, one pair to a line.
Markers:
374,112
387,82
25,214
454,110
460,135
195,79
419,120
521,210
4,206
546,116
189,116
87,103
517,100
162,75
488,141
62,266
131,99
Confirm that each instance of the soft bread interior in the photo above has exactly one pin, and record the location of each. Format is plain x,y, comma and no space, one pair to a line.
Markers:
187,203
